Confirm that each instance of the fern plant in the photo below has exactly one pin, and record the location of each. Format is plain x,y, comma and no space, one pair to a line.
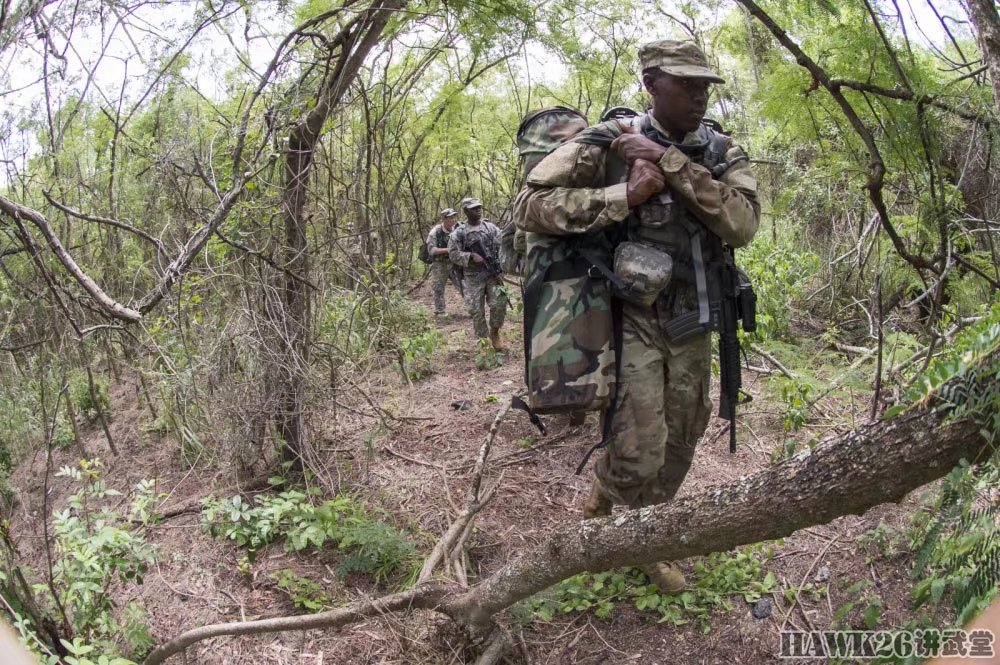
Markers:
958,549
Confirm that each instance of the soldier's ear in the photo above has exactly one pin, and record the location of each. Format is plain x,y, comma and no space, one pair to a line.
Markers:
647,82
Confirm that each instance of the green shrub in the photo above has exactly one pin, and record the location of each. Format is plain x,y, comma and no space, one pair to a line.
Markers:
359,324
486,356
95,546
717,578
88,405
371,546
779,273
302,591
419,352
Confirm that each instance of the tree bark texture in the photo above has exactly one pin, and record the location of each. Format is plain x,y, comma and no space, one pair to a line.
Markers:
986,21
355,42
108,304
875,464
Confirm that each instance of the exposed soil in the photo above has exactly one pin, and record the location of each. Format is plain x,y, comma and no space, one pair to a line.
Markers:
418,469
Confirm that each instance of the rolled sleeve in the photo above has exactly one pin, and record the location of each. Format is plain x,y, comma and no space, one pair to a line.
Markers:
560,198
728,206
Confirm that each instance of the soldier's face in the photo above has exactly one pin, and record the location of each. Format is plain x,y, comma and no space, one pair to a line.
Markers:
474,215
679,103
449,222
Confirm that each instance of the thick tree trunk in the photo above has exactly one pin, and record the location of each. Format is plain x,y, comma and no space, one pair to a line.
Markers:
291,318
986,21
870,466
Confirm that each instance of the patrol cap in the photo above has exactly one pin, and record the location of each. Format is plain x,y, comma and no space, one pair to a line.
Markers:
471,203
448,212
677,58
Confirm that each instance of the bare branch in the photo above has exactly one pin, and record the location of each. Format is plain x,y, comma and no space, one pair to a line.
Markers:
426,596
109,305
125,226
906,95
194,244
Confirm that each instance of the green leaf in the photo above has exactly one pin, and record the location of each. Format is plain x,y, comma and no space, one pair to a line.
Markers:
894,411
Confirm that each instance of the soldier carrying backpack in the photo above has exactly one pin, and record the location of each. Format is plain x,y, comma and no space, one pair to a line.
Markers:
436,249
630,228
475,247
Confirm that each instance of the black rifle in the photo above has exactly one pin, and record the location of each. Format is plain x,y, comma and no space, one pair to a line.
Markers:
457,275
492,267
736,301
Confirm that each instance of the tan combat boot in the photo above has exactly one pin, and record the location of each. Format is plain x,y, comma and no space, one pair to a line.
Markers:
666,576
496,341
596,505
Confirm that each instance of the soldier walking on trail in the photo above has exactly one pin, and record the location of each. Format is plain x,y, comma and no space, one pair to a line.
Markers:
437,247
475,247
686,190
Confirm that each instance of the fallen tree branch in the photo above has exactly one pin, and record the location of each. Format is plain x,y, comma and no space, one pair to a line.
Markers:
844,476
425,596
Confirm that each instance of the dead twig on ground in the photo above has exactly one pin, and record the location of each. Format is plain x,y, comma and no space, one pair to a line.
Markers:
794,601
774,361
454,538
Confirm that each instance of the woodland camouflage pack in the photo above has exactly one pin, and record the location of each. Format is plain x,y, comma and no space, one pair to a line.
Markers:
542,131
569,322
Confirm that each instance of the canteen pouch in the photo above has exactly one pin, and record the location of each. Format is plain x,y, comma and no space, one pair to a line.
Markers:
644,272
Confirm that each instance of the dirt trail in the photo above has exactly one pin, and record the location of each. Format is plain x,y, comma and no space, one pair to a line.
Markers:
418,469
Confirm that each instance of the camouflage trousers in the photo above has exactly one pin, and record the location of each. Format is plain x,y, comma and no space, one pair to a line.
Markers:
440,271
480,295
663,409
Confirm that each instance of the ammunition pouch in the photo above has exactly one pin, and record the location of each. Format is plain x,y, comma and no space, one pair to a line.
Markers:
644,272
683,328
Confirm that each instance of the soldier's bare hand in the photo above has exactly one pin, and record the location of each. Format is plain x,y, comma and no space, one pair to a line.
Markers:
644,180
631,147
478,259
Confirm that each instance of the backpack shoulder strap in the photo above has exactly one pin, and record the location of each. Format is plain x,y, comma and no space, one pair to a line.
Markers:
718,144
601,134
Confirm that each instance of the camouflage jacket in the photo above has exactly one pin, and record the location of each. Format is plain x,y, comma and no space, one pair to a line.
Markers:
568,192
438,239
580,188
465,236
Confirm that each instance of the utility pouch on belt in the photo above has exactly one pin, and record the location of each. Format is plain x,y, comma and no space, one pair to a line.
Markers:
746,302
644,272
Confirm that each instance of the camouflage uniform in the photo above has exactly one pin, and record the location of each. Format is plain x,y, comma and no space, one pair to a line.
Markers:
441,267
479,286
663,395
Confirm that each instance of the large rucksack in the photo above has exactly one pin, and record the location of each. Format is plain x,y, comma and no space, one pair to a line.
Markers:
511,256
569,321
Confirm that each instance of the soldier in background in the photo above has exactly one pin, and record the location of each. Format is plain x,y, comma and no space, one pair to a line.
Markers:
475,247
437,247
